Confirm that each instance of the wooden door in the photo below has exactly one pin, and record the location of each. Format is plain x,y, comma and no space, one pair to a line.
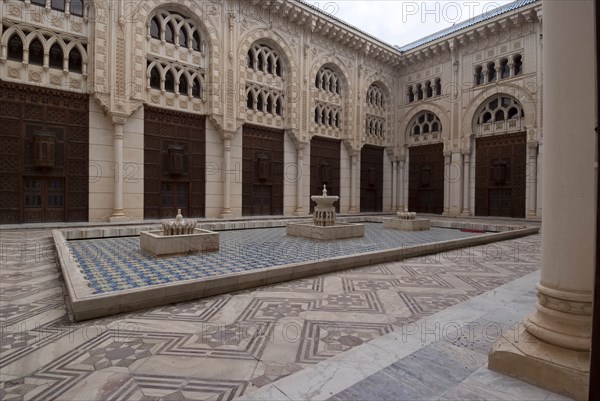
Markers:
44,155
426,179
325,168
262,171
371,179
174,163
500,175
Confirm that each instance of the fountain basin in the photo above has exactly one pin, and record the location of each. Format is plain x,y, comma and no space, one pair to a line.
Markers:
407,225
159,244
326,233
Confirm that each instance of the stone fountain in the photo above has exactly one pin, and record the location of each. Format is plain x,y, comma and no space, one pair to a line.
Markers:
179,236
324,225
407,221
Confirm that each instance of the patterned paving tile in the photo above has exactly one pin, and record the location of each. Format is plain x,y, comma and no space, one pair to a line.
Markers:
115,264
221,347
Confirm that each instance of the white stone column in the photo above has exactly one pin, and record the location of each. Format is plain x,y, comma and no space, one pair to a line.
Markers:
532,178
299,179
226,213
466,176
118,213
400,187
553,351
354,176
394,185
447,165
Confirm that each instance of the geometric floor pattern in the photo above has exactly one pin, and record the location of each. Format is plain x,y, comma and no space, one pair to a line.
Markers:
116,264
221,347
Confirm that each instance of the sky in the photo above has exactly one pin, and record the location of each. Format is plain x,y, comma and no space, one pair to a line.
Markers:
399,22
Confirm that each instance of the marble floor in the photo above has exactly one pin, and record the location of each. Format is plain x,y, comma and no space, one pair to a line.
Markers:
245,343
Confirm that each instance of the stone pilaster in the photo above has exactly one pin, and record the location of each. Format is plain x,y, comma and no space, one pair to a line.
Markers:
118,214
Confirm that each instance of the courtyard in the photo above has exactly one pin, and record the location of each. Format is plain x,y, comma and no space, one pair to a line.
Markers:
438,313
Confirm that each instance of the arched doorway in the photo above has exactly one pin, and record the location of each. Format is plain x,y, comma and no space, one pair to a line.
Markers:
426,164
501,157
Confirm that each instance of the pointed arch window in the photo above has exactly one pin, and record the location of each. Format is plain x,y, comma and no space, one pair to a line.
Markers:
56,57
183,37
504,69
169,82
155,78
491,72
183,85
15,48
75,61
196,44
76,7
196,88
36,53
426,123
438,87
479,77
169,33
154,28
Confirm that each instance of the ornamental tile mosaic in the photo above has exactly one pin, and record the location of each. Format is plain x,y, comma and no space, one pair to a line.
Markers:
228,345
116,264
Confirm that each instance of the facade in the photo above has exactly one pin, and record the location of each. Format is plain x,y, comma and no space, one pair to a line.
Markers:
129,110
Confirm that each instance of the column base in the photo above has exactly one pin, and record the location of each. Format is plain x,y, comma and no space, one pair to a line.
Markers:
353,210
300,212
446,213
118,218
226,214
466,213
518,354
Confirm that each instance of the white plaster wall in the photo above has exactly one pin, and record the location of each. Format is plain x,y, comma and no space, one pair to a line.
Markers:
101,180
214,172
290,162
133,166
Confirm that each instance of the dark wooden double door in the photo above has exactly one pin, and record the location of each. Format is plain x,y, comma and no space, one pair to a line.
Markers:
262,171
371,179
174,163
44,155
325,168
500,181
426,179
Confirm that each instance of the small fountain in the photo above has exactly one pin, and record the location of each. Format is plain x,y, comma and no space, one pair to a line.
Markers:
407,221
324,225
179,236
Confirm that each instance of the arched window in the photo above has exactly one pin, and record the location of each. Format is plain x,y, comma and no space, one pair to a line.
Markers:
169,33
154,28
518,60
428,89
75,61
504,69
250,99
375,96
479,78
169,82
58,5
36,53
260,102
500,108
196,41
196,88
183,85
279,107
155,78
56,57
425,123
183,37
269,104
15,48
438,87
410,94
77,7
328,80
491,72
419,92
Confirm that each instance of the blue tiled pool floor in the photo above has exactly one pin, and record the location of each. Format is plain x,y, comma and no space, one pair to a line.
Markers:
116,264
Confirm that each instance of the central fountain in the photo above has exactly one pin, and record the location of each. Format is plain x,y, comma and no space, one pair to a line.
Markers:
324,225
179,236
